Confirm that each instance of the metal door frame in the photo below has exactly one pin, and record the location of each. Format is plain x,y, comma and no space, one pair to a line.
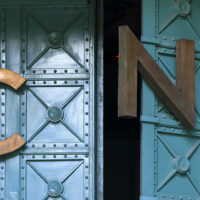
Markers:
97,6
99,99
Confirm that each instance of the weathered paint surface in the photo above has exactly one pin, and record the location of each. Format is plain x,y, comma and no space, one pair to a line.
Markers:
170,153
52,46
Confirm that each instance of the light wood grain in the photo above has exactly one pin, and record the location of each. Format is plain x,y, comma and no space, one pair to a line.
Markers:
127,79
11,78
11,144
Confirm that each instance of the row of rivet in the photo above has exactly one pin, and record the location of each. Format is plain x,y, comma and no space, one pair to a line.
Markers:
172,130
3,38
61,83
23,134
156,99
23,114
156,18
55,156
87,43
56,82
86,112
52,156
23,175
23,39
167,51
175,197
3,120
48,145
86,181
3,65
155,161
58,71
156,105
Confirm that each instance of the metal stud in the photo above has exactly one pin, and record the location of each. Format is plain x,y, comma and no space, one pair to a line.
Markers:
55,188
55,40
184,7
55,114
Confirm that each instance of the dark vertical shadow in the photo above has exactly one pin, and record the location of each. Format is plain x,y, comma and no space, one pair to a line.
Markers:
121,136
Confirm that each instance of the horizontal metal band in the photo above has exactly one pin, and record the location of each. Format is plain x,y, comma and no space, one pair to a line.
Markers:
55,76
148,198
166,123
164,43
157,120
60,151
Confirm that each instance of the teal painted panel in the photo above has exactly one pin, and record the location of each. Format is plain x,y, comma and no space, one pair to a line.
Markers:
173,150
52,46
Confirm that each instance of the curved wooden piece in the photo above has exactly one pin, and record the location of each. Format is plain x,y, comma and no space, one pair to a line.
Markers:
11,78
11,144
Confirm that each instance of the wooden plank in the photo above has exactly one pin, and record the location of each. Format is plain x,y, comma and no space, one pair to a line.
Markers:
185,69
11,144
127,88
171,95
11,78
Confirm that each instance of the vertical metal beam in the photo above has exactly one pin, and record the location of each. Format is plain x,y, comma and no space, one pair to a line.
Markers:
99,194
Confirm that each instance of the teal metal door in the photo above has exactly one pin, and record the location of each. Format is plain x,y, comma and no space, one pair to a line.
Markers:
170,165
51,44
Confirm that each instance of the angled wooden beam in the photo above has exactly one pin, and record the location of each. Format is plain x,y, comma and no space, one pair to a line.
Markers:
185,59
133,56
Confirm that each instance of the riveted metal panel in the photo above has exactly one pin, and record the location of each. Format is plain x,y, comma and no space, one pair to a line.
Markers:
53,46
170,163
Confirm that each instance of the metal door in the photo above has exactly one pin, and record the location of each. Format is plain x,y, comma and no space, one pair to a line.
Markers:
170,166
52,46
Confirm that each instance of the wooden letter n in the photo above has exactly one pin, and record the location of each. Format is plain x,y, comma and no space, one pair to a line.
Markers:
133,56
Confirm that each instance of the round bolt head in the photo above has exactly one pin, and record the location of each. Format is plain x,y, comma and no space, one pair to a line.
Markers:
55,188
182,164
55,114
184,7
55,40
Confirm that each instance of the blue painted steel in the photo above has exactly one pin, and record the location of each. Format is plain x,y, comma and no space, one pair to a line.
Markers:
170,166
52,46
148,198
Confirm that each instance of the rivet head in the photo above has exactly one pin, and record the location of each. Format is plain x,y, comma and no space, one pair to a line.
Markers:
55,114
55,40
182,164
55,188
184,7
